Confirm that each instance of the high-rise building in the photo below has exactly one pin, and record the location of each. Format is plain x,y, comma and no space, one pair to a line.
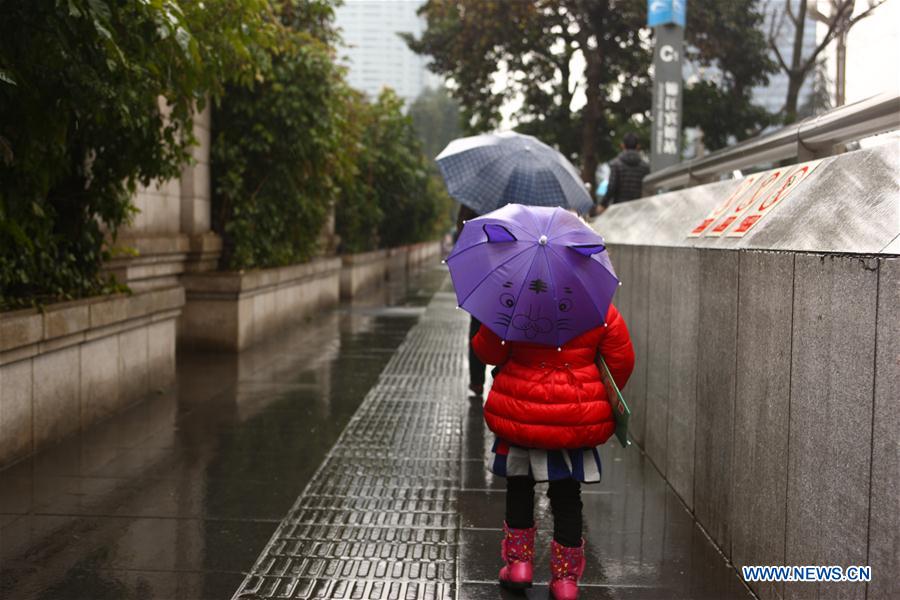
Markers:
375,53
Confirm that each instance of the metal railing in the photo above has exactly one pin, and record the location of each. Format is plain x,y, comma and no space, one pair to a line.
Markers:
813,138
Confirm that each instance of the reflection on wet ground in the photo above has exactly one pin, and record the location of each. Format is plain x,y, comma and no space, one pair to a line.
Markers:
641,542
175,497
178,496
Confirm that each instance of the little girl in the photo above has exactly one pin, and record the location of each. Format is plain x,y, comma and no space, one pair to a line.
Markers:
549,411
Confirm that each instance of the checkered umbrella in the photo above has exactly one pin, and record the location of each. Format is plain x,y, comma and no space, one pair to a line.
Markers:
485,172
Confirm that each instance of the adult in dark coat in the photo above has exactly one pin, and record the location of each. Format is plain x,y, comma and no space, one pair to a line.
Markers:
476,367
626,175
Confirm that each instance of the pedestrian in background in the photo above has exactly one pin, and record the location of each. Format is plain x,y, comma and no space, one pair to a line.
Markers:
476,367
626,175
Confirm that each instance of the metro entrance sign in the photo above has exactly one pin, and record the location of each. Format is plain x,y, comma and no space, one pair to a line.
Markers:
664,12
667,17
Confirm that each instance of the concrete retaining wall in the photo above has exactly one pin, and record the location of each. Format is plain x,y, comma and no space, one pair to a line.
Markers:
230,310
77,362
363,270
767,387
422,253
367,269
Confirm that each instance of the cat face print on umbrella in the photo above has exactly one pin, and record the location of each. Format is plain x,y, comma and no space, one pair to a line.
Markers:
533,274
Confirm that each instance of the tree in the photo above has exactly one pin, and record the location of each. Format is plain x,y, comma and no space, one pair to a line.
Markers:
837,23
725,35
842,28
393,196
436,117
494,52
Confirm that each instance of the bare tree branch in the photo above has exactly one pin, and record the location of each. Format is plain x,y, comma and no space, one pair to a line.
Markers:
790,11
873,4
812,9
781,62
833,25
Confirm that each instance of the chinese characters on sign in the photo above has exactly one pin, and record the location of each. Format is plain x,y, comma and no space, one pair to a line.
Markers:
778,193
747,200
752,199
720,210
667,135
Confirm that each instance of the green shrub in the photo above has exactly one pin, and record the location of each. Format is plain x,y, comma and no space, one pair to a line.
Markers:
276,154
395,196
80,83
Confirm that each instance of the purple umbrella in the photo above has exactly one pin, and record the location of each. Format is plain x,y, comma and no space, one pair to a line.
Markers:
533,274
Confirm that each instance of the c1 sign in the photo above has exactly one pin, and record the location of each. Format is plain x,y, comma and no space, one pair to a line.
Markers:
665,12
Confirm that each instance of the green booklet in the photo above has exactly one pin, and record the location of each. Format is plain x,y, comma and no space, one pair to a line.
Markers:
621,412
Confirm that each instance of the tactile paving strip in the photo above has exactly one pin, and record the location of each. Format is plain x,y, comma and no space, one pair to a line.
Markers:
379,520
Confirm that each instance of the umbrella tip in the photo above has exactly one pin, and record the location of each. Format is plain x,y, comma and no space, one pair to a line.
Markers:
620,283
605,324
502,342
458,307
543,240
559,348
444,262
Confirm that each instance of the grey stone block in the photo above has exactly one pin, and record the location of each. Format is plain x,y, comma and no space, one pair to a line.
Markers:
685,319
658,335
133,373
15,411
100,390
848,204
621,257
717,345
884,519
761,412
56,391
830,444
639,324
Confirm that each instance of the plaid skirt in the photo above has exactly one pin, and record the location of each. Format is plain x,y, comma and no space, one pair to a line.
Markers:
507,460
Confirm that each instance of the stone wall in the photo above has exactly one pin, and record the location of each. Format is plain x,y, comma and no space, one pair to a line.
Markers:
230,310
363,270
767,378
171,232
75,363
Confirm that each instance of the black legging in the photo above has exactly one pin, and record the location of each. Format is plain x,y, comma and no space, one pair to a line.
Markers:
565,501
476,367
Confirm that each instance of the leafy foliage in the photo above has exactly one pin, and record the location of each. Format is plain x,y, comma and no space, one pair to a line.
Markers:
394,196
534,46
436,117
726,35
275,152
83,124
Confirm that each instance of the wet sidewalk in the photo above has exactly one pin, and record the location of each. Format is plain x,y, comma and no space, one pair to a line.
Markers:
340,461
402,507
175,497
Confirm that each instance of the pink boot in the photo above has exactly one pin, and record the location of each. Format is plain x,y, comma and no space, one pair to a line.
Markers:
566,567
517,550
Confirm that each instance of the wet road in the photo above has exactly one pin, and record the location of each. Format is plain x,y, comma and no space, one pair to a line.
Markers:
175,497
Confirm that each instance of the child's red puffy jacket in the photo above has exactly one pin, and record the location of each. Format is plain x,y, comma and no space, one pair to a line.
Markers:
554,399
